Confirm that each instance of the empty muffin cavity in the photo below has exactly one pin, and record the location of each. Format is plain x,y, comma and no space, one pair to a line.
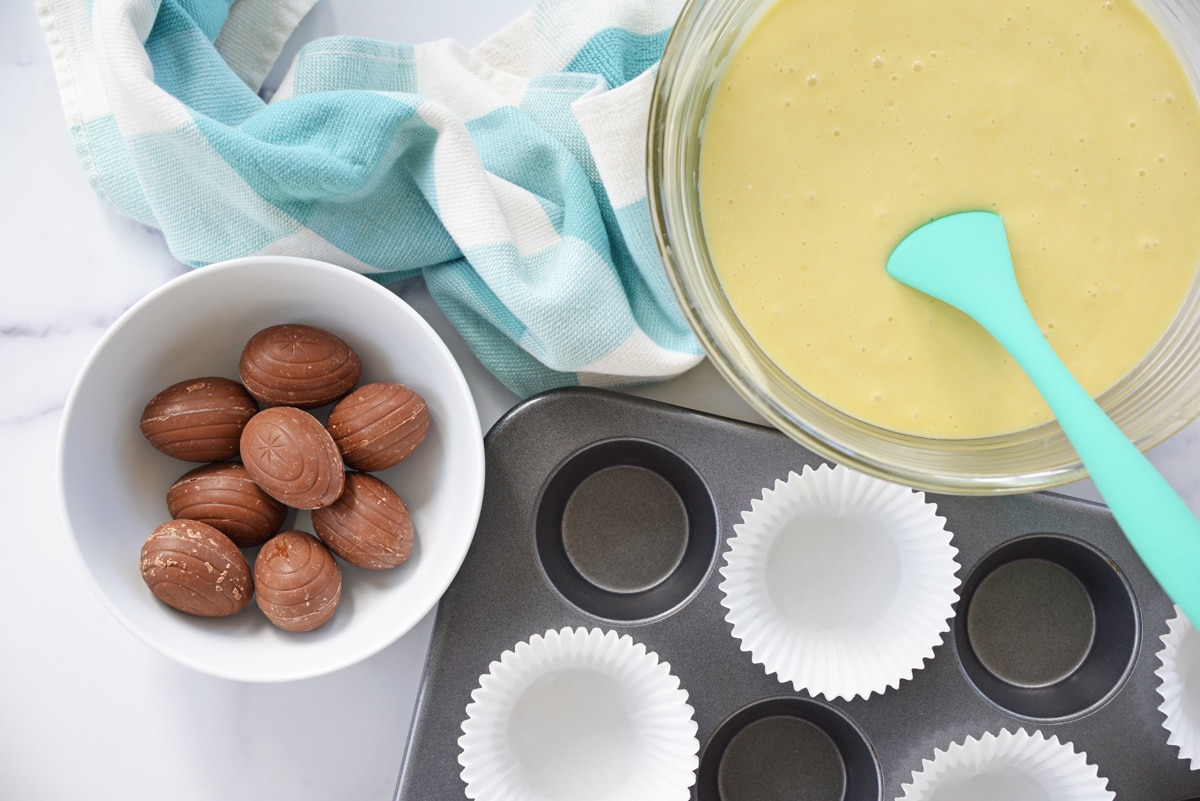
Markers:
626,530
1047,627
785,748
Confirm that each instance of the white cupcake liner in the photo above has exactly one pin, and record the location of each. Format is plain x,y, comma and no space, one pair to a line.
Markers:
840,583
1179,686
1008,765
579,714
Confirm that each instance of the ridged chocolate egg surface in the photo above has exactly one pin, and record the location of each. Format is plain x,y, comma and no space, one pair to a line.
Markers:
198,420
293,458
225,496
378,425
298,365
299,582
368,526
193,567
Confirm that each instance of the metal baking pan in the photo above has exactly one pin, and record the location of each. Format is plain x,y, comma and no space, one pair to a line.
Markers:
1082,671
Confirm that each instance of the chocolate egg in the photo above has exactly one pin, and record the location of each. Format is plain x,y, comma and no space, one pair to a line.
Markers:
293,458
299,582
193,567
368,526
378,425
298,365
199,420
226,497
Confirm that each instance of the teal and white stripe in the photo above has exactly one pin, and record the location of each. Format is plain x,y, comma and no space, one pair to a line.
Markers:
510,175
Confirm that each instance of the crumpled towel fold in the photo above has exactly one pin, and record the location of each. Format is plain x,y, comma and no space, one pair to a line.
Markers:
510,175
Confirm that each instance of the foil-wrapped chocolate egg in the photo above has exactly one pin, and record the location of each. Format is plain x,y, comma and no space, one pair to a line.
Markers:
193,567
299,582
293,458
198,420
225,496
368,526
378,425
298,365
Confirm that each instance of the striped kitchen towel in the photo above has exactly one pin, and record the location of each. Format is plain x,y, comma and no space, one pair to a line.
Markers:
511,175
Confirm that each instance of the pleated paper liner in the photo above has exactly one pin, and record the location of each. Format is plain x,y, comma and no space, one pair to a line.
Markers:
579,714
1179,687
1007,766
840,583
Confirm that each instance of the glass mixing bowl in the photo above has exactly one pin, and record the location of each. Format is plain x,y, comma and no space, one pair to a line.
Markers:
1156,399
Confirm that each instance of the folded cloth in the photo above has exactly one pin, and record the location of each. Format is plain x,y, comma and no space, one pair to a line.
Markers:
511,175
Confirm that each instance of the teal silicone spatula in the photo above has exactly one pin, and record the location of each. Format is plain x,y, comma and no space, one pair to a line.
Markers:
963,260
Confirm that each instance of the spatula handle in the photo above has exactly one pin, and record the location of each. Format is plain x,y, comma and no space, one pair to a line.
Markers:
1157,522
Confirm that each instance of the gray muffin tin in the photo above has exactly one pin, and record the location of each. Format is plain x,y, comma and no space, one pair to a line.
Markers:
602,510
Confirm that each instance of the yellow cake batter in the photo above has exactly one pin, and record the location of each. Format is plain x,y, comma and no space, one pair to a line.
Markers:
841,125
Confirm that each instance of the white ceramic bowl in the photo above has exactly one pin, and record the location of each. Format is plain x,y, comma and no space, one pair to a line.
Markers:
113,483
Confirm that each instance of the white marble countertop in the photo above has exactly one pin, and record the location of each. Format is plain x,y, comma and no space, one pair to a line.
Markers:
87,710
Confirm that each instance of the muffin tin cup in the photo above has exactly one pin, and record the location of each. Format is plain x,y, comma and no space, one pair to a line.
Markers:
1179,687
840,583
788,747
578,713
606,512
625,530
1008,765
1047,628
